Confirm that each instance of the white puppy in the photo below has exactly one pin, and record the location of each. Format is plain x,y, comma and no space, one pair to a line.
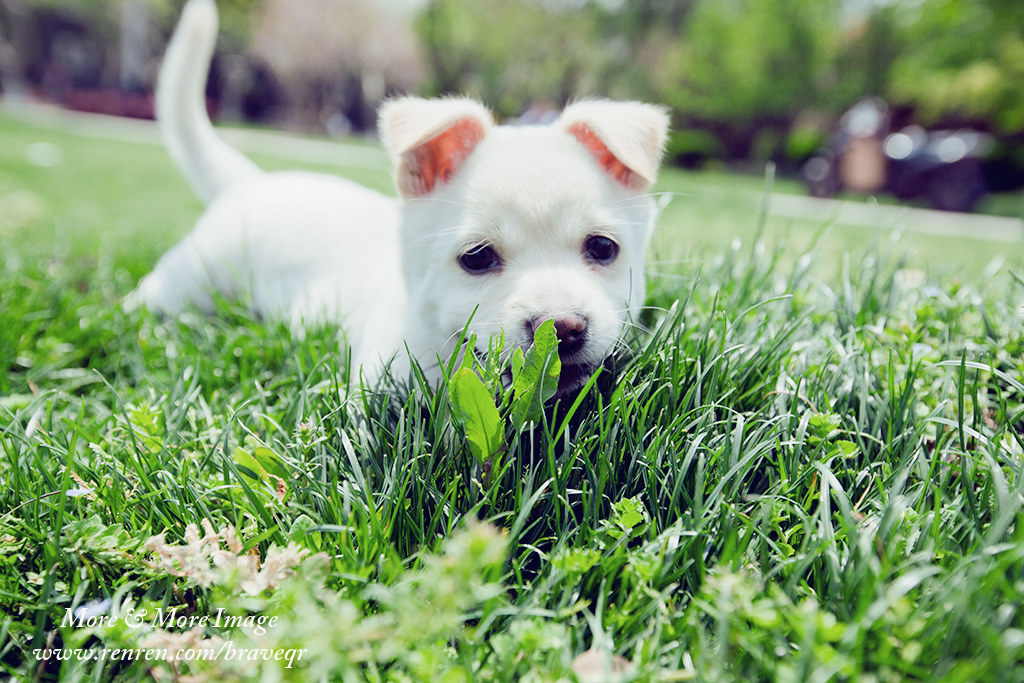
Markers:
509,226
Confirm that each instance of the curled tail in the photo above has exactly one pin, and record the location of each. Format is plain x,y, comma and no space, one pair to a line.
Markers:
210,165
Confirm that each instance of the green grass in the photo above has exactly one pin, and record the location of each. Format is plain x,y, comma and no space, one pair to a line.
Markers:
710,210
812,467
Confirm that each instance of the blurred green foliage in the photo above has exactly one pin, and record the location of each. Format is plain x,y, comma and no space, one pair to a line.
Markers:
963,57
748,71
104,16
748,79
510,54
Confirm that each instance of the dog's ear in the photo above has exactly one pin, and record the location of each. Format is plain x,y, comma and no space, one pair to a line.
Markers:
625,138
429,140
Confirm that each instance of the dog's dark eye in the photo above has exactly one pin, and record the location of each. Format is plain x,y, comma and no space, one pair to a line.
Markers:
480,259
600,249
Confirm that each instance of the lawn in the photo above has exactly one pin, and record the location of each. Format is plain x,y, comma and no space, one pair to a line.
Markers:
810,468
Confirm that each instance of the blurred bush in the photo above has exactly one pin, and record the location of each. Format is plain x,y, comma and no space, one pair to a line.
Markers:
743,77
747,79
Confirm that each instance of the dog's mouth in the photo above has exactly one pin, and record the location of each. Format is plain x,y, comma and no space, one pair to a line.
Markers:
571,377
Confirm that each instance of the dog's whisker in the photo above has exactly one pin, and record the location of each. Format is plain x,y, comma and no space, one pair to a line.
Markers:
642,201
671,262
436,234
655,309
628,324
646,198
428,199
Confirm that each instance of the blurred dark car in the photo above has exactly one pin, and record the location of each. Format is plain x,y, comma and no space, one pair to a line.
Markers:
944,168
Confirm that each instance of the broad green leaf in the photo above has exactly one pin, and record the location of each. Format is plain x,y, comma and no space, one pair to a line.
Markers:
628,513
537,378
475,409
303,526
15,402
822,426
248,465
270,461
517,362
468,358
576,560
145,425
846,449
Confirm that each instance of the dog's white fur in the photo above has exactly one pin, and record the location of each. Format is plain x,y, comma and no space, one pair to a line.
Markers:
306,247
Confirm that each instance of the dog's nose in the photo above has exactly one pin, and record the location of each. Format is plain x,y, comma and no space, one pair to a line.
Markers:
570,328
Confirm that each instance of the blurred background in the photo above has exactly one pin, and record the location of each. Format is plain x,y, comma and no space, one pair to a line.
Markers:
748,81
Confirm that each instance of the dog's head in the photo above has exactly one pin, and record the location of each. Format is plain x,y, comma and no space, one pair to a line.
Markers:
524,224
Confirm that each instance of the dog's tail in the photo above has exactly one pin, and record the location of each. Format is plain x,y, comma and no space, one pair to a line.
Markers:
209,164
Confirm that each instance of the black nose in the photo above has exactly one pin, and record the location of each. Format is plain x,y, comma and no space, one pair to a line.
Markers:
570,328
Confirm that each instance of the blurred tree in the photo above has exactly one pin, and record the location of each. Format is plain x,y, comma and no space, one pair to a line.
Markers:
58,41
15,38
962,59
123,38
512,53
746,78
869,46
749,67
335,58
641,33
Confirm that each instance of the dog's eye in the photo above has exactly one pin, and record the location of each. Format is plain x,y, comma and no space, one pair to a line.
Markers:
600,249
480,259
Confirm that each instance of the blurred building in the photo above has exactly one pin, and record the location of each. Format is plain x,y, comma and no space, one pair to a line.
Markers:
308,64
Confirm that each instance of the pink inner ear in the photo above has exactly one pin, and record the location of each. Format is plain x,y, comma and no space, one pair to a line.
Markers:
604,157
435,161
